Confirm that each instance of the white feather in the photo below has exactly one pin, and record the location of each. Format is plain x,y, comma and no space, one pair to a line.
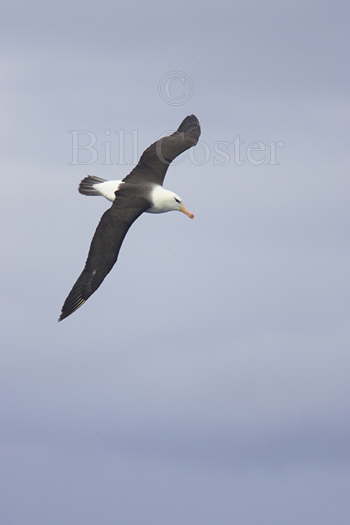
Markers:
108,188
162,200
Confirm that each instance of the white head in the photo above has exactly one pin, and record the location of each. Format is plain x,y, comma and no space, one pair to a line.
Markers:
166,200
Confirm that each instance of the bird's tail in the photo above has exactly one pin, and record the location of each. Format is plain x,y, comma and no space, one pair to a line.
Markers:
87,185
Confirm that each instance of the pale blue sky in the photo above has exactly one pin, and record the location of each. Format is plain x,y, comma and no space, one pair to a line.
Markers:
207,380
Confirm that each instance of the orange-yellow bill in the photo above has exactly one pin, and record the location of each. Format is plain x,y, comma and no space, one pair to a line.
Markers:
186,212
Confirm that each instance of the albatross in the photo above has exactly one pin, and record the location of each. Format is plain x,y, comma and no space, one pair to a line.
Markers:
140,191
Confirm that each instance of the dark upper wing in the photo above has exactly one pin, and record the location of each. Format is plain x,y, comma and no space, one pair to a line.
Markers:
155,160
105,246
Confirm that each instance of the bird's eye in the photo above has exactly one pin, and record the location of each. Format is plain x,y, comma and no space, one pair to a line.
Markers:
177,200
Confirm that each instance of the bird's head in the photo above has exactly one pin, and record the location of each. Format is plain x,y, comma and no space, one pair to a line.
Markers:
176,204
165,200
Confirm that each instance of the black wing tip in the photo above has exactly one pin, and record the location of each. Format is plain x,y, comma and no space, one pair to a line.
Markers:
190,124
192,117
63,316
70,307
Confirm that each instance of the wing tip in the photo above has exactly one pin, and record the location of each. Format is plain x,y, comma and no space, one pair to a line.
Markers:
70,308
190,125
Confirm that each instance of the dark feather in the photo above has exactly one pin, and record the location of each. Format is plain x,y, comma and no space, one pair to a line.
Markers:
155,160
130,203
86,186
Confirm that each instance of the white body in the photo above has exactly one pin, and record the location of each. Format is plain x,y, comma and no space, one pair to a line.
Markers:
163,200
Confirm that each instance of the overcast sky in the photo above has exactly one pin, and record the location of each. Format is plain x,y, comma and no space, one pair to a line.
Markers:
207,380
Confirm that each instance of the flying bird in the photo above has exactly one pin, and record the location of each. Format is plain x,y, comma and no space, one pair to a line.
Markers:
140,191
